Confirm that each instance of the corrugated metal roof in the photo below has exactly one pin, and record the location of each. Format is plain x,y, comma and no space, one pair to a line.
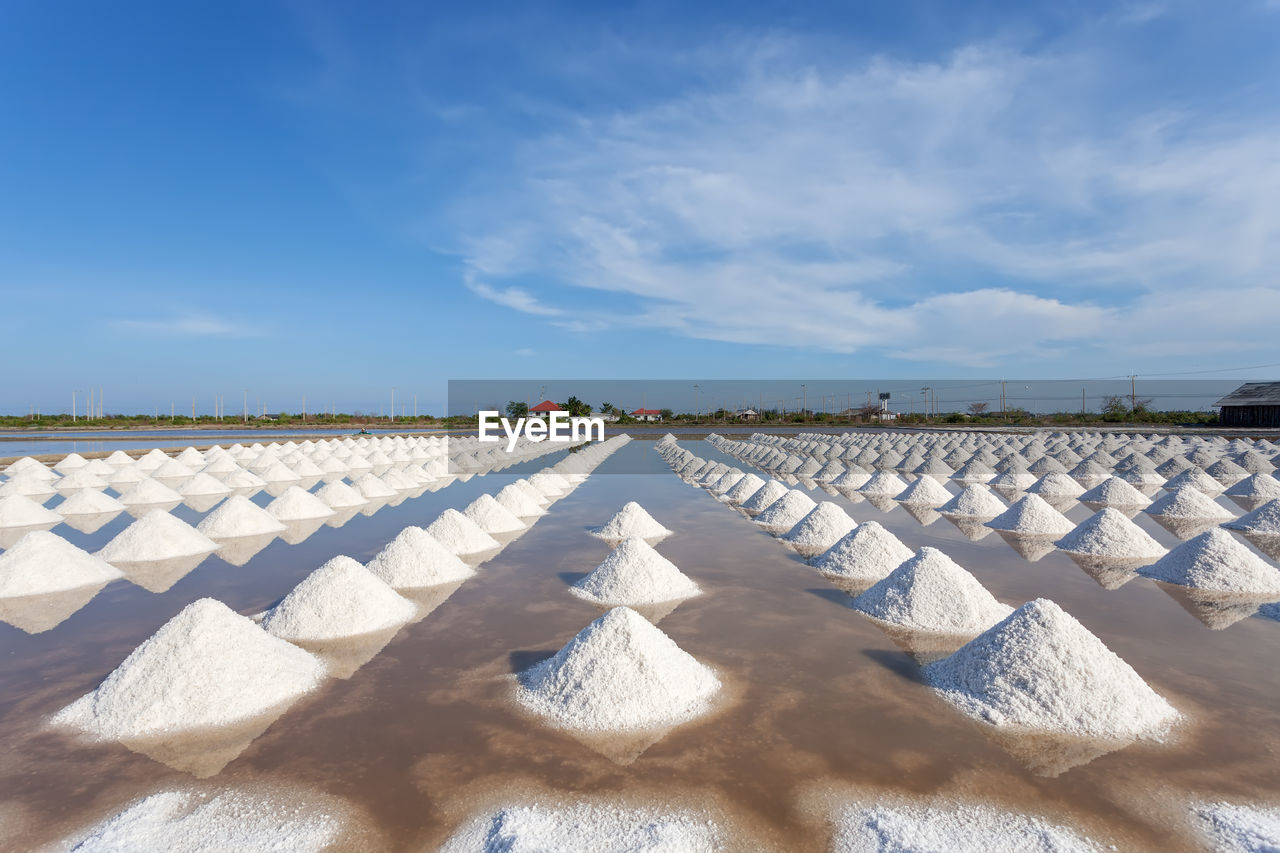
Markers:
1253,394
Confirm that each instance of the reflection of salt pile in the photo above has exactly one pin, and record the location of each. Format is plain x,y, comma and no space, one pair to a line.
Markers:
634,574
925,491
764,497
1115,492
930,592
229,820
976,501
1263,521
492,517
415,559
1214,560
238,516
619,673
156,536
824,525
1108,533
21,511
942,825
297,504
207,666
340,599
868,553
1239,827
1031,516
631,520
782,514
586,826
1041,669
43,562
460,534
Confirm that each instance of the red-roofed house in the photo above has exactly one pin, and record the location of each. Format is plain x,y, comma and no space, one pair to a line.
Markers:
544,408
647,414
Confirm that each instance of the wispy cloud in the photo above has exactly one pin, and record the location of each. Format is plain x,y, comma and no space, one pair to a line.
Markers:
194,325
512,297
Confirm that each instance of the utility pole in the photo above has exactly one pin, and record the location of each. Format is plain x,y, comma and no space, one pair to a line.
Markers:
393,404
804,402
1081,401
172,411
246,405
73,406
415,407
304,408
1133,393
89,411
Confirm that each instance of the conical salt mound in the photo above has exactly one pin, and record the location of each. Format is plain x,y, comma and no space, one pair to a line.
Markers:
1239,827
1263,521
868,553
930,592
1215,561
586,824
1188,503
1031,516
341,496
743,489
635,574
518,502
825,525
1196,479
148,491
297,504
1257,486
631,520
925,491
1109,533
340,599
238,516
208,666
203,485
371,487
620,673
414,559
492,517
1115,492
89,502
1040,669
1055,485
21,511
782,514
976,501
42,562
884,483
157,536
943,824
763,498
460,534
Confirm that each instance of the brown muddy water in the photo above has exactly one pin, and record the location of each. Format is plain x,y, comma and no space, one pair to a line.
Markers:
819,701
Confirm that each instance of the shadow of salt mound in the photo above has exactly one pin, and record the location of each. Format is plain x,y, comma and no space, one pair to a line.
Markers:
36,614
238,550
159,575
1109,573
842,597
205,752
1215,610
1268,545
1050,754
570,578
973,529
1248,504
923,514
924,647
10,536
522,659
297,532
341,517
896,663
344,655
1029,547
90,522
1186,528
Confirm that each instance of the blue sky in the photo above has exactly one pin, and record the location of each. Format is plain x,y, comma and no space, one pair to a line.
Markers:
318,199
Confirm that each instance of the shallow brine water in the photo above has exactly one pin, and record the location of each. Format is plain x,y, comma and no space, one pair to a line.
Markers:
817,701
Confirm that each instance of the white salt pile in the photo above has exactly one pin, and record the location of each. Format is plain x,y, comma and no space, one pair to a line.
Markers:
202,485
192,821
492,517
414,559
297,504
1188,503
340,496
1115,492
976,501
1055,485
635,574
782,514
42,562
1239,827
156,536
743,489
21,511
1263,521
207,666
924,491
1031,516
599,827
885,483
1109,533
931,592
340,599
1040,669
1256,486
825,525
150,492
868,553
763,498
518,502
79,479
238,516
631,521
460,534
1215,561
1196,479
371,487
940,825
90,502
620,673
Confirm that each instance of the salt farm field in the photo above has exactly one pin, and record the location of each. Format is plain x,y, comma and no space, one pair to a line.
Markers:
818,706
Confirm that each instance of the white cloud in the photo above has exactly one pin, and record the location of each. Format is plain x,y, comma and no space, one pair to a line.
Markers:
512,297
194,325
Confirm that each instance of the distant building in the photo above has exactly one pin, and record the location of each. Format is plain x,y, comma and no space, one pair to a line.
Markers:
747,415
1253,404
647,414
545,408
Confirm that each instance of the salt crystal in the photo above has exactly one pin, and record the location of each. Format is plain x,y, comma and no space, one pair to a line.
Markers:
821,528
938,825
884,483
748,485
414,559
782,514
925,491
976,501
600,827
1031,516
631,521
635,574
460,534
1115,492
147,492
930,592
868,553
518,502
21,511
340,599
1108,533
1263,521
297,504
42,562
763,497
90,503
1239,827
492,517
1215,561
1188,502
238,516
341,496
156,536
